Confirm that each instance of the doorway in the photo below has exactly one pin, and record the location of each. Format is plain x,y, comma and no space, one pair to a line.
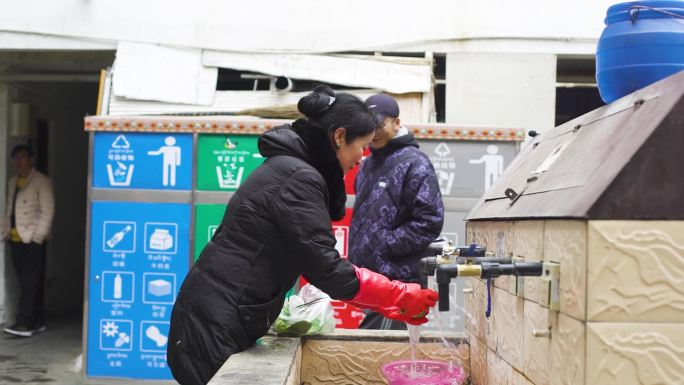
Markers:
49,94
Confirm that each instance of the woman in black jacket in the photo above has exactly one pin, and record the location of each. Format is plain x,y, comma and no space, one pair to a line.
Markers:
276,227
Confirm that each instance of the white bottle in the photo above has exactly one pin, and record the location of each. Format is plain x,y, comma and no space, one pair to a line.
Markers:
117,286
116,238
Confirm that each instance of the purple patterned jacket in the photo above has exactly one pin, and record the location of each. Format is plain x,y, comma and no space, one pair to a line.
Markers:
398,210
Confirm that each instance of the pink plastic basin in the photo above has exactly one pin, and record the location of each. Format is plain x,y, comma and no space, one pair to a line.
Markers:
423,373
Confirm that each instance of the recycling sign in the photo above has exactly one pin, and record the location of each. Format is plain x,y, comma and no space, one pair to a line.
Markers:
225,161
142,161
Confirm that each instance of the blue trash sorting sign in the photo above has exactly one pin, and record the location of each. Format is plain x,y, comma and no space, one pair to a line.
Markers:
142,160
139,255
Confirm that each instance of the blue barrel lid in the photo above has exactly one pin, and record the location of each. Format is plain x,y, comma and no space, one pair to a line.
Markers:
645,9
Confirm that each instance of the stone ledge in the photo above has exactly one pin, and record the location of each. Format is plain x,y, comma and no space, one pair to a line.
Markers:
267,363
270,361
387,335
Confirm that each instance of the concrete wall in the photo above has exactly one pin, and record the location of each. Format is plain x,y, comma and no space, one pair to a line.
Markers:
501,90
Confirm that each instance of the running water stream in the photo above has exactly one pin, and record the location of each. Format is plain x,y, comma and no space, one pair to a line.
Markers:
455,367
424,371
414,339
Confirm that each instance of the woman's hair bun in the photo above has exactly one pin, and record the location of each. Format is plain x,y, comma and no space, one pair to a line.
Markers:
317,103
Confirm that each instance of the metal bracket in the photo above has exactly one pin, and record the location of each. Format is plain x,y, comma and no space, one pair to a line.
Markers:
513,196
518,281
551,291
542,333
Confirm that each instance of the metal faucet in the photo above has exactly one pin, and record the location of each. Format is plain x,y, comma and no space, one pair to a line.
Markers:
441,253
445,272
451,261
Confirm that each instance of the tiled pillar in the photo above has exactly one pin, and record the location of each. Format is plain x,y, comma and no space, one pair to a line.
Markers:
635,303
621,316
517,351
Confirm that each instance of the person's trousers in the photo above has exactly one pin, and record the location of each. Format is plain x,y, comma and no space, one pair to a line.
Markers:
377,321
29,264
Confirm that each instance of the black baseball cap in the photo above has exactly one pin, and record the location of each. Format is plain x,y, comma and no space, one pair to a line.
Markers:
384,106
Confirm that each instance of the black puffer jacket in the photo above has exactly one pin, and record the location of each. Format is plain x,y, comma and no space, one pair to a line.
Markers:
276,227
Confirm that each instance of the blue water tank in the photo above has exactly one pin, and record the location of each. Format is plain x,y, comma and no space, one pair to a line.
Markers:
642,43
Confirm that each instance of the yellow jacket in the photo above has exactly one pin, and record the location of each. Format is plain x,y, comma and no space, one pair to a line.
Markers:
35,208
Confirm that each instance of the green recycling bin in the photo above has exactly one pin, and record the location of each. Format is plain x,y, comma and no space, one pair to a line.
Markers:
207,219
225,161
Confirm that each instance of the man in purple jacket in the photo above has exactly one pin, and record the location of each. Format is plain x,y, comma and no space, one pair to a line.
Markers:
398,209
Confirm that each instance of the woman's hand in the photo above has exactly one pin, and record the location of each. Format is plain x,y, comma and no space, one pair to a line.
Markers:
413,306
397,300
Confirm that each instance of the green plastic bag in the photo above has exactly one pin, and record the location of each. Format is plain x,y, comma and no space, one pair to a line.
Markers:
308,312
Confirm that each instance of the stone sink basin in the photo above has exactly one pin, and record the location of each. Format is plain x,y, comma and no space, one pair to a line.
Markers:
346,356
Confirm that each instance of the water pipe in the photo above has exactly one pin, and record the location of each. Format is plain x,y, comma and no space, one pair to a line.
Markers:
445,272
